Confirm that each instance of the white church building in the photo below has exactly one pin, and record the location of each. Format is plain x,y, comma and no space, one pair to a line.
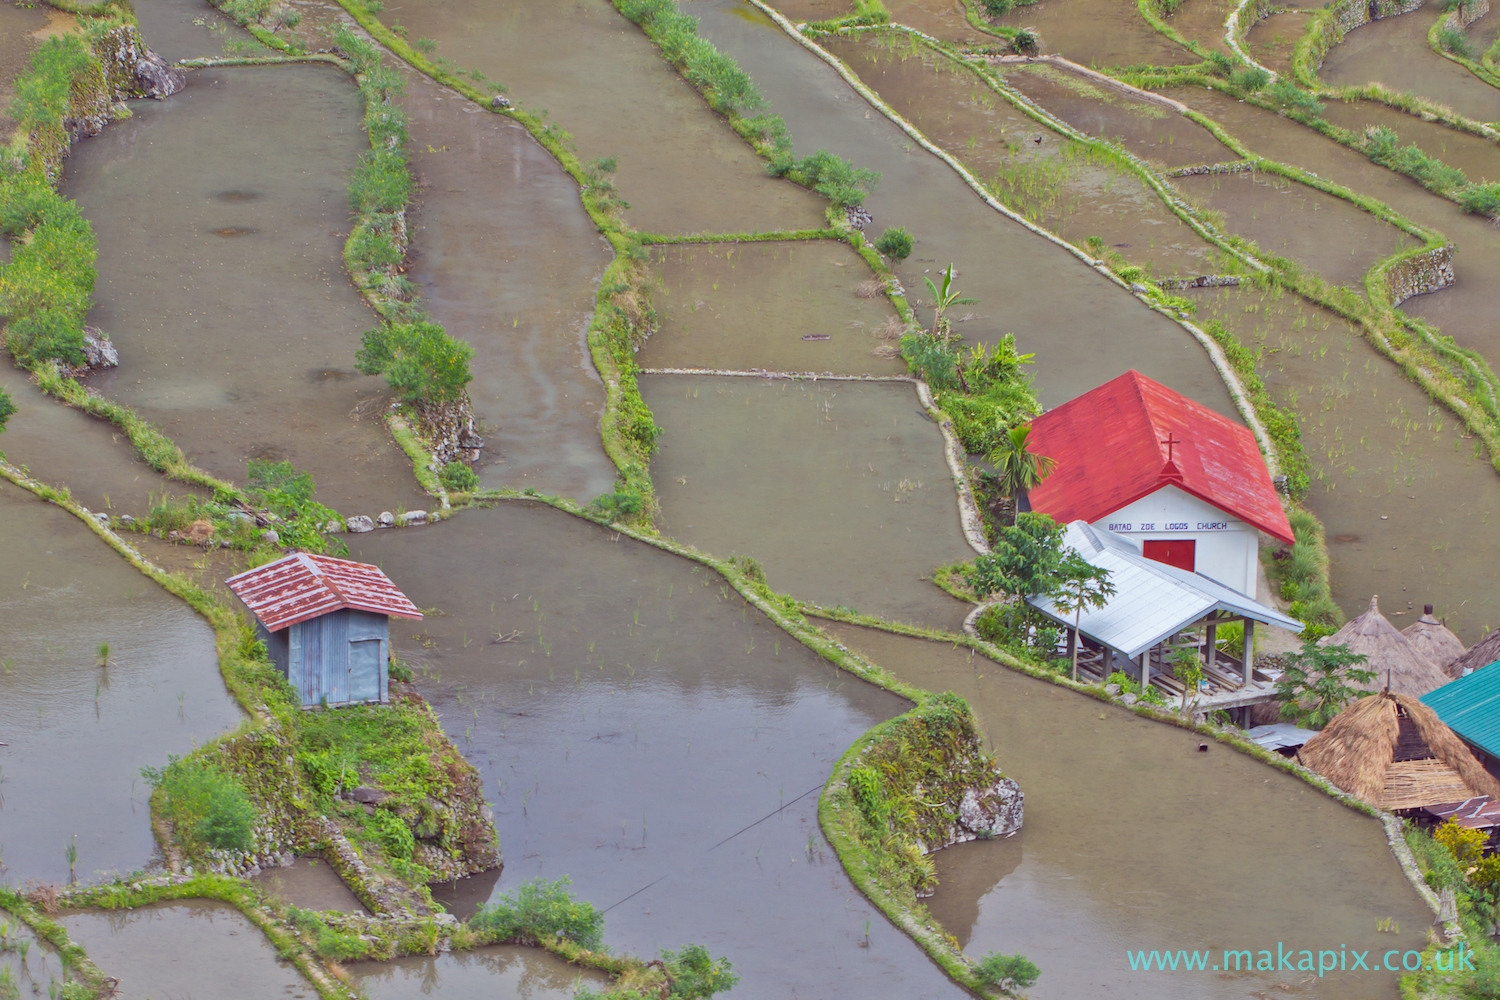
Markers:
1186,484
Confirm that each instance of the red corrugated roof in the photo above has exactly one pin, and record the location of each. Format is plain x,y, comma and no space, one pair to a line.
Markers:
1110,448
303,586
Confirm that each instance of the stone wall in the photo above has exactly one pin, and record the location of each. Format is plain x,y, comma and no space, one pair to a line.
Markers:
1426,272
1466,14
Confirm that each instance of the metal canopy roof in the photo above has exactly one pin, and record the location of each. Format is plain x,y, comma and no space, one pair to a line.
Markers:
1470,706
303,586
1152,601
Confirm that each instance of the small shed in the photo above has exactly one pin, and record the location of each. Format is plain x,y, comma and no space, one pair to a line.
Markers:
1434,640
1394,752
1398,665
326,624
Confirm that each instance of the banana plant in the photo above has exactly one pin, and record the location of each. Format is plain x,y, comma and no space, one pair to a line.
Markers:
944,297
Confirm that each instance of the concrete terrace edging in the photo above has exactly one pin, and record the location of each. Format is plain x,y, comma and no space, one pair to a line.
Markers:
1232,31
969,518
1211,348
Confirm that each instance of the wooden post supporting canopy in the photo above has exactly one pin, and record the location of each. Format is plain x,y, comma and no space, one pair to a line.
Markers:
1249,655
1213,635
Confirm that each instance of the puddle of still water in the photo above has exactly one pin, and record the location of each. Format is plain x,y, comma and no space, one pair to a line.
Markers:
1381,451
507,259
194,948
1394,51
809,306
1250,856
241,348
840,489
481,974
1084,330
680,166
647,733
79,733
311,884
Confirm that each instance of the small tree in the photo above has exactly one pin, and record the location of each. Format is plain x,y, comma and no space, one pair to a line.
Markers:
1006,972
1187,668
7,409
419,360
1017,469
944,297
1082,585
1315,686
895,242
1024,560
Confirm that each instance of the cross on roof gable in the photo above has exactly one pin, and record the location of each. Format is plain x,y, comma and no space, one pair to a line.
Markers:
1132,436
303,586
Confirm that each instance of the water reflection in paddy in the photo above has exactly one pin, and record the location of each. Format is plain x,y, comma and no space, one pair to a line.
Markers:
508,260
1195,850
793,307
311,884
631,106
195,948
840,489
228,371
1083,329
646,732
79,733
482,974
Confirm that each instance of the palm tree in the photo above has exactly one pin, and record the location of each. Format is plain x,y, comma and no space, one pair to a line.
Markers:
1083,585
943,298
1016,469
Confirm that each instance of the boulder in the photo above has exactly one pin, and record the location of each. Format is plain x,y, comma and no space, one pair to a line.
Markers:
986,813
270,537
155,77
359,524
413,517
386,519
98,350
499,102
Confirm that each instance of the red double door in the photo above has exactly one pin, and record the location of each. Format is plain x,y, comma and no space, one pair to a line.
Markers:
1179,552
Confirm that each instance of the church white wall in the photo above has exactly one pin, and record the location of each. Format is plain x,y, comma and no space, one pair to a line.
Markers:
1227,548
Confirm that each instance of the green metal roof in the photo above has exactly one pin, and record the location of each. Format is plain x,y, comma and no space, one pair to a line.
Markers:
1470,706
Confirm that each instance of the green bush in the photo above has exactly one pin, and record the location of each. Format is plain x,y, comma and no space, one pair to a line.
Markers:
1289,95
932,359
457,477
1249,78
394,835
541,909
1481,199
206,806
622,503
419,361
7,409
1456,40
869,795
834,177
1382,145
381,182
895,242
45,335
341,947
1219,64
372,250
997,8
1006,972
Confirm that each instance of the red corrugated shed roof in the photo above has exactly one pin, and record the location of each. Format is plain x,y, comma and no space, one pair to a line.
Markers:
302,586
1110,448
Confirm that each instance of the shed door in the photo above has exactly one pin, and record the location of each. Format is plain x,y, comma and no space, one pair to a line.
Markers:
1179,552
364,670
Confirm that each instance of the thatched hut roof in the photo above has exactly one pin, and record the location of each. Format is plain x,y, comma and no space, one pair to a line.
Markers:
1397,663
1392,751
1433,640
1485,652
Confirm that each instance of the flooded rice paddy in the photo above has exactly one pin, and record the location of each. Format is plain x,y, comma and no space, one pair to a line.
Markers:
1098,33
839,489
651,735
310,884
1205,877
481,974
77,733
195,948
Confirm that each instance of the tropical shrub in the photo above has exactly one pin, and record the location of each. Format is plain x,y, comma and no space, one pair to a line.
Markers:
206,806
381,182
540,909
895,242
1289,95
1006,972
7,409
419,360
1249,78
834,177
457,477
1481,199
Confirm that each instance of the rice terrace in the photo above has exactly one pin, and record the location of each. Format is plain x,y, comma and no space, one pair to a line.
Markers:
1041,456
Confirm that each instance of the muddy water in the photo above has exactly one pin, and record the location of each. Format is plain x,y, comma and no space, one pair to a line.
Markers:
507,259
476,975
1145,128
1047,178
196,948
858,513
187,29
311,884
797,307
79,734
228,371
1083,329
1098,33
1285,219
1202,21
1272,40
647,733
1394,51
943,19
1465,310
633,107
35,971
62,446
1477,157
1377,445
1249,857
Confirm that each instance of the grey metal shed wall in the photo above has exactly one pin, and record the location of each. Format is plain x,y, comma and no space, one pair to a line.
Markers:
319,657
